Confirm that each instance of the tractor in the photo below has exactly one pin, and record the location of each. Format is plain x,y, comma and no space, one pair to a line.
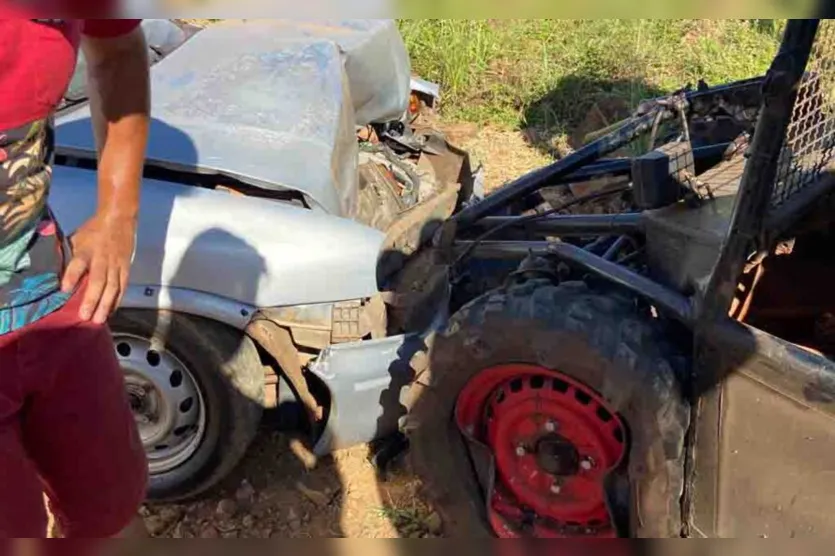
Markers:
664,371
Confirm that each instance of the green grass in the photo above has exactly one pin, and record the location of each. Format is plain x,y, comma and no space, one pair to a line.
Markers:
549,74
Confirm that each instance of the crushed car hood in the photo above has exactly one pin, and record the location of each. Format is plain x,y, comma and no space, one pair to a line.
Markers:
271,108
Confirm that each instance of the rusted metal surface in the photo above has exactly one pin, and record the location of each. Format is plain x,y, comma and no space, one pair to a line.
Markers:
414,228
346,322
310,325
795,301
278,343
379,197
413,295
358,319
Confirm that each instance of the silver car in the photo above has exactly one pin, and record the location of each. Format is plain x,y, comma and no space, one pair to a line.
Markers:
274,259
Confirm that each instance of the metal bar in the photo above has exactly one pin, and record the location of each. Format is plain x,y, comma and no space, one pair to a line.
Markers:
778,220
527,184
751,207
612,251
569,225
615,166
623,166
671,302
555,173
600,242
666,299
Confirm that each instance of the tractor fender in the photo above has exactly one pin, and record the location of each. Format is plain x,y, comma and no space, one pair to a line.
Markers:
234,253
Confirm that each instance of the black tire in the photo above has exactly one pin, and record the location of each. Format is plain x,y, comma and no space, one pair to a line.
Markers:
601,340
227,369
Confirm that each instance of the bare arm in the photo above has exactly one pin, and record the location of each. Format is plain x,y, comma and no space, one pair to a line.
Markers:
120,104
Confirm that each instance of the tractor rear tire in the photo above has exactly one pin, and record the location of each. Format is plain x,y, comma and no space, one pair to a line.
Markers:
600,340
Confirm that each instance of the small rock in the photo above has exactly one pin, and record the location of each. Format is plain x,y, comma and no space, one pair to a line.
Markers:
209,532
294,524
171,512
291,514
155,525
318,498
226,525
434,523
226,508
245,495
248,521
230,535
161,521
144,511
303,454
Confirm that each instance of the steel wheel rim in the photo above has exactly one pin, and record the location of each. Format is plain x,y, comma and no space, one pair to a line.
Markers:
553,440
166,402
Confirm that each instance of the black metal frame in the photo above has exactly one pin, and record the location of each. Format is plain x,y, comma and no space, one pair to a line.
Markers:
584,165
777,89
704,312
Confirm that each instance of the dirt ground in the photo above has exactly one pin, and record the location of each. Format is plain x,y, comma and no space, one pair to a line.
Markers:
274,494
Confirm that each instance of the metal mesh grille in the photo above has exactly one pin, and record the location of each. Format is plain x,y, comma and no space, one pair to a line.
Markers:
808,149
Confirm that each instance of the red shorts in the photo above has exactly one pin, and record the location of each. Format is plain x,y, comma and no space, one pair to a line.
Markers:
66,429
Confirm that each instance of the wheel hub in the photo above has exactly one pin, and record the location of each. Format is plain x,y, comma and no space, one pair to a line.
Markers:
144,400
165,400
554,441
557,455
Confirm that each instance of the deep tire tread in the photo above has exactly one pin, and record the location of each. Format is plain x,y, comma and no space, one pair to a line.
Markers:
601,339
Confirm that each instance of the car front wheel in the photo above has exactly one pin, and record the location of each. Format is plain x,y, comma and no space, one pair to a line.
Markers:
196,389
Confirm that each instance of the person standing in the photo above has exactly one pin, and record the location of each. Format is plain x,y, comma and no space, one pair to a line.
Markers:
65,424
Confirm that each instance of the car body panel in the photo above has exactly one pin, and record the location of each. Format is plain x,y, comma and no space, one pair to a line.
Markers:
366,381
255,252
272,103
231,100
765,446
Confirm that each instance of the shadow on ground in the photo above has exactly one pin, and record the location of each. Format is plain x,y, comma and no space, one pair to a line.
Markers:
562,119
273,494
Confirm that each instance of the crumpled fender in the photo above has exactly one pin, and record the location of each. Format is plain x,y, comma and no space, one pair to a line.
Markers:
240,253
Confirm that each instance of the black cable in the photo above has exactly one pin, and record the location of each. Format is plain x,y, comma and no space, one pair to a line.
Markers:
532,217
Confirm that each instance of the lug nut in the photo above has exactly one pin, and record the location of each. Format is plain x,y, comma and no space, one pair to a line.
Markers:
520,451
556,489
587,464
550,426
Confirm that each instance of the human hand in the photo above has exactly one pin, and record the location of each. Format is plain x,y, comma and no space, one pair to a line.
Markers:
102,249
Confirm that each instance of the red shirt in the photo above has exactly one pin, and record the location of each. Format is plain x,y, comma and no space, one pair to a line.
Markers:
37,61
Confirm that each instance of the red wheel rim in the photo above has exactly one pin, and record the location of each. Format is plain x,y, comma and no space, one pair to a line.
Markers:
554,441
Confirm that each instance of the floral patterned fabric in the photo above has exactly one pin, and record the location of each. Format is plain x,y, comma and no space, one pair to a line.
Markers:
32,249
